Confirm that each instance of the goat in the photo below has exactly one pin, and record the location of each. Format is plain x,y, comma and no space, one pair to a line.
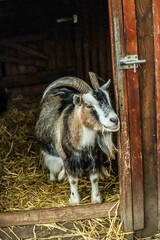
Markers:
75,125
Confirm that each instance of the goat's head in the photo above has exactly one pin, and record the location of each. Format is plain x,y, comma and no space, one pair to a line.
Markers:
94,106
95,109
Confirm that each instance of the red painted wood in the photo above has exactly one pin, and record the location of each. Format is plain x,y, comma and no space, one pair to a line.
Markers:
119,77
156,23
134,116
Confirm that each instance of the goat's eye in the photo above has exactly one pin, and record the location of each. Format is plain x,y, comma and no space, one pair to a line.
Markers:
89,106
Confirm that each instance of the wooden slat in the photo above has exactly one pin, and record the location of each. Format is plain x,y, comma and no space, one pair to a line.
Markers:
49,50
11,69
78,50
134,116
94,40
61,214
86,41
77,29
156,22
102,51
59,43
23,61
148,114
25,38
115,15
34,78
23,49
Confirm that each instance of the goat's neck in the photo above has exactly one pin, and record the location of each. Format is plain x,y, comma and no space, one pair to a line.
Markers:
75,129
88,137
81,136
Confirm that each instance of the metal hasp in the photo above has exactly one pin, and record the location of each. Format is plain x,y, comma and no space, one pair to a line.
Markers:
130,61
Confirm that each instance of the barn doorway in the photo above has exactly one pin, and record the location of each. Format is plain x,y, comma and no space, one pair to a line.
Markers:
40,42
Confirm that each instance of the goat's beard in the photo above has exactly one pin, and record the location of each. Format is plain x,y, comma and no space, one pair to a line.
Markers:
106,144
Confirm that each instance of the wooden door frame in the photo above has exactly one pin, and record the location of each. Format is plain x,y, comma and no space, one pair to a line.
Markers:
56,214
156,25
124,42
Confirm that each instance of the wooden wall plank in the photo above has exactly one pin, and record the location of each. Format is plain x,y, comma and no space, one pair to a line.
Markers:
19,47
102,48
24,38
93,40
134,116
49,50
148,114
117,45
22,61
34,78
61,214
156,24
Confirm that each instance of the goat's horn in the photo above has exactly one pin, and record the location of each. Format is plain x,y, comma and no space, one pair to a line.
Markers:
94,80
71,82
106,85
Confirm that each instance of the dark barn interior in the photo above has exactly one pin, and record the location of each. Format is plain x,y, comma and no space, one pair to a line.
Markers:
44,40
41,41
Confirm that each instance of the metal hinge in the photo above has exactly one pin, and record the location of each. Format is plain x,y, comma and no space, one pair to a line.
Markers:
130,61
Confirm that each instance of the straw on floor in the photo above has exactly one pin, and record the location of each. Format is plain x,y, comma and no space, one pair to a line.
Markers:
25,182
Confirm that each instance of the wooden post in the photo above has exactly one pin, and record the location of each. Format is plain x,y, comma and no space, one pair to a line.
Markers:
148,114
124,42
119,76
156,24
134,116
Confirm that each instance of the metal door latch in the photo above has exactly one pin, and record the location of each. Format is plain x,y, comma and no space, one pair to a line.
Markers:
130,61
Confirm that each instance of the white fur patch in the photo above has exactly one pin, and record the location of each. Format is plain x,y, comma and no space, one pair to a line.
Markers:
107,95
55,165
96,196
74,197
89,99
88,137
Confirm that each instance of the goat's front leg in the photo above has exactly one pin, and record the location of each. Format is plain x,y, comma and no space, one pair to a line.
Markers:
96,196
74,197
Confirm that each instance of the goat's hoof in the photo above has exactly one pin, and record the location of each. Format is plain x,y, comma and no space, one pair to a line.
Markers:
97,199
52,177
74,199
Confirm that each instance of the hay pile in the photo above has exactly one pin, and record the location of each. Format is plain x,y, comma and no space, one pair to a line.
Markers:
24,182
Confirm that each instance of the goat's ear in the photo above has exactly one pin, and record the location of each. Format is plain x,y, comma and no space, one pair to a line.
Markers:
77,100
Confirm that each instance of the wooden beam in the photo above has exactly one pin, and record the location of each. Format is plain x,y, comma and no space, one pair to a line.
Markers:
23,61
33,78
119,76
25,38
19,47
61,214
156,24
148,114
134,116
